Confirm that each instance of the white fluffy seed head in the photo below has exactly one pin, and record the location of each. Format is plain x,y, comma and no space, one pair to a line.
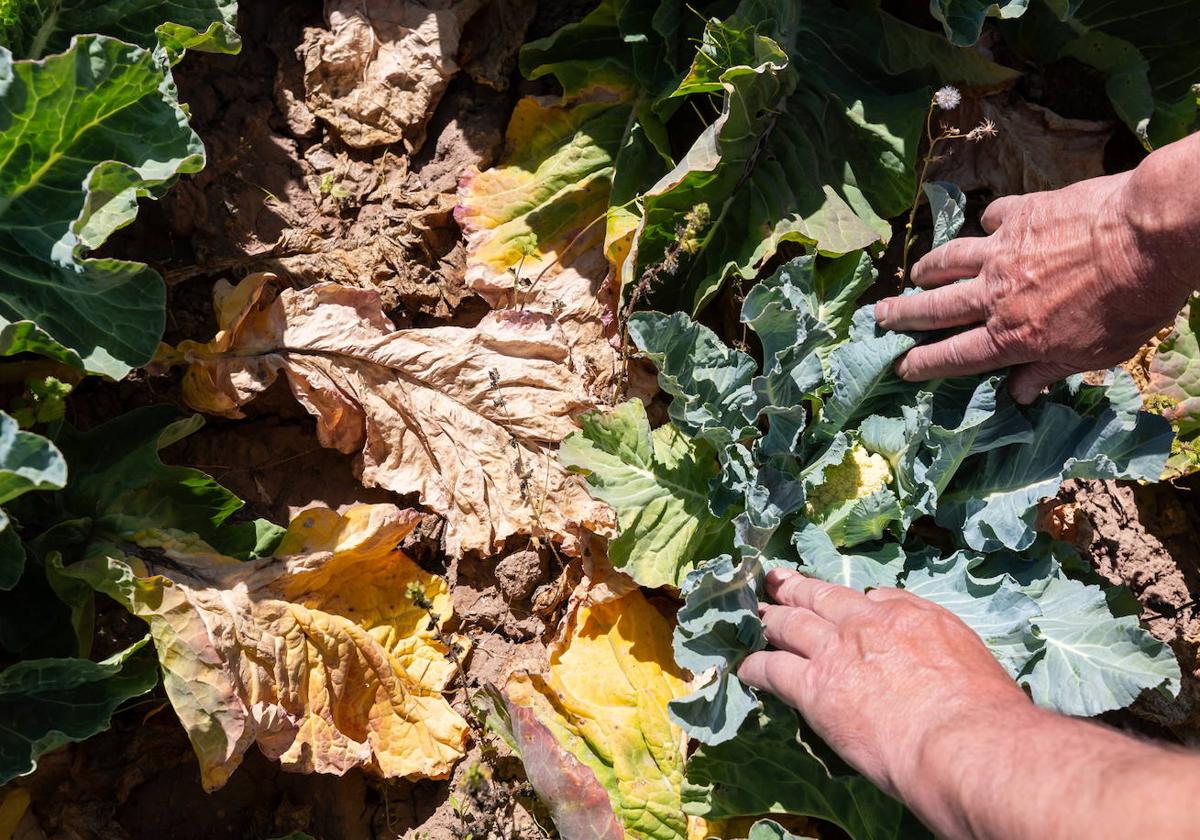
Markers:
947,98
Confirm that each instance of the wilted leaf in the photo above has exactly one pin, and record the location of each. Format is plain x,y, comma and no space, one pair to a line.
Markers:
45,703
1174,389
321,655
118,488
535,225
540,225
465,417
599,719
27,462
1034,148
657,482
37,28
83,135
377,73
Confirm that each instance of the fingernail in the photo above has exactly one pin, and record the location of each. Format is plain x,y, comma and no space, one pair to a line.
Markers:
902,368
882,310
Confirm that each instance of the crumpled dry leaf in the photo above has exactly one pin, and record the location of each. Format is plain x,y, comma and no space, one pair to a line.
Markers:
1034,149
467,418
378,72
599,718
319,655
535,225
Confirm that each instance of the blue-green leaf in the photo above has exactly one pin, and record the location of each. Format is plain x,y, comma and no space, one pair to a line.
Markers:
948,206
717,627
710,383
773,767
963,19
1090,661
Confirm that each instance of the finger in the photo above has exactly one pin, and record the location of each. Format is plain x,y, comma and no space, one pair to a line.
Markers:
776,671
1026,382
973,351
887,593
956,260
828,600
795,630
949,306
999,210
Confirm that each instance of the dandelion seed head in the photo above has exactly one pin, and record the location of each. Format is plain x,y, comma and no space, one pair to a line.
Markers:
947,98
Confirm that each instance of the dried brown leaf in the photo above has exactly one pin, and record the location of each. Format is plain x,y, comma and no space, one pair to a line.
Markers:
1034,149
377,73
467,418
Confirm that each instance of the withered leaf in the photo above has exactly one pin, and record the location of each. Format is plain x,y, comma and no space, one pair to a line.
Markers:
327,656
377,73
467,418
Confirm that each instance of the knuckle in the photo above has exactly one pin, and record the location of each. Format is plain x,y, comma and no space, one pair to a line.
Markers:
1015,323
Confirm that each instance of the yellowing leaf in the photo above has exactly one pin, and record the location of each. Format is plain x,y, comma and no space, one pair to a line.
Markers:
467,418
535,225
321,657
603,707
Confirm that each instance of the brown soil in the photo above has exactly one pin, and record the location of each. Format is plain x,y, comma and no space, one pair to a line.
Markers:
1147,537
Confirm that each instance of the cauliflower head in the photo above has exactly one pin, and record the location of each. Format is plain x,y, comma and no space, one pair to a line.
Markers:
859,474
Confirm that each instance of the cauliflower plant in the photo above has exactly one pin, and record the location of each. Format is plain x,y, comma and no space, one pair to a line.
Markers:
859,474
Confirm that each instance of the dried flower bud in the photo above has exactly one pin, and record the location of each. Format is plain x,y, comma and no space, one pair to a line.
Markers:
985,129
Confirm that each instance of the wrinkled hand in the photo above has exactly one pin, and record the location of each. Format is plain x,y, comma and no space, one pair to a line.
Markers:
1066,281
876,675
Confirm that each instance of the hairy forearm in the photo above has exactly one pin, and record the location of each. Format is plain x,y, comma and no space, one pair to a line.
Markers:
1024,772
1163,206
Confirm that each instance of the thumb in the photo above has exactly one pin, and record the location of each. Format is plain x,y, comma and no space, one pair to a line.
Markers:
1027,381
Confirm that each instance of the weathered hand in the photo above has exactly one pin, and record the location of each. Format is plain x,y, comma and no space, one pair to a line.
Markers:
875,675
1066,281
909,695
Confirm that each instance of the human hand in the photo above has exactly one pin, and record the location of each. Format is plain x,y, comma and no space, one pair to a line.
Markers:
1066,281
876,675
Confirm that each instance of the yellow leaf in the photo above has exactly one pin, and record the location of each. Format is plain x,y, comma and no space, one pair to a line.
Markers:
12,808
604,705
467,418
536,224
320,655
